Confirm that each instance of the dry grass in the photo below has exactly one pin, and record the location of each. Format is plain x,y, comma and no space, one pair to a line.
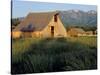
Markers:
54,54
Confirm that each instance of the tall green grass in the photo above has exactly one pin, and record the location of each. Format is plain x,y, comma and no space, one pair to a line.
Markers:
53,54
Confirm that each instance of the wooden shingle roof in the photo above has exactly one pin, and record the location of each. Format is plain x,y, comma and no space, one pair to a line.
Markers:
38,21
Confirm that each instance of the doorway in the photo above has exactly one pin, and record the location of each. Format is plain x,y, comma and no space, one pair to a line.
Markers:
52,31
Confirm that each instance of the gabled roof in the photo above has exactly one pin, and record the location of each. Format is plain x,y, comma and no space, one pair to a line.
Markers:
37,20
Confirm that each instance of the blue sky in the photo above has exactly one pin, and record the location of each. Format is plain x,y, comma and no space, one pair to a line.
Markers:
22,8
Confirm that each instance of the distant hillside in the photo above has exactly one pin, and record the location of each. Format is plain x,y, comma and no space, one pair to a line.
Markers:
79,18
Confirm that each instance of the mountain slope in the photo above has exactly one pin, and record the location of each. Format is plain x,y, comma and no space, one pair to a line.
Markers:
79,18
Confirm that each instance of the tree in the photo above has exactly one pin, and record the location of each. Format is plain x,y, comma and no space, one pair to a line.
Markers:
15,21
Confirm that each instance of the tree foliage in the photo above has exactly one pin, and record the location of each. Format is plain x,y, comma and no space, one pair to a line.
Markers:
15,21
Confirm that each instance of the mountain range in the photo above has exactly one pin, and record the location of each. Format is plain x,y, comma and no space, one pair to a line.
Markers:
79,18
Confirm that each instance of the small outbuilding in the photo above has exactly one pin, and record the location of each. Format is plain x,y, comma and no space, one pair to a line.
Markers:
74,32
89,33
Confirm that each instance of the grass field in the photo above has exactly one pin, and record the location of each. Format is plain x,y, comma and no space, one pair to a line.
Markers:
33,55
